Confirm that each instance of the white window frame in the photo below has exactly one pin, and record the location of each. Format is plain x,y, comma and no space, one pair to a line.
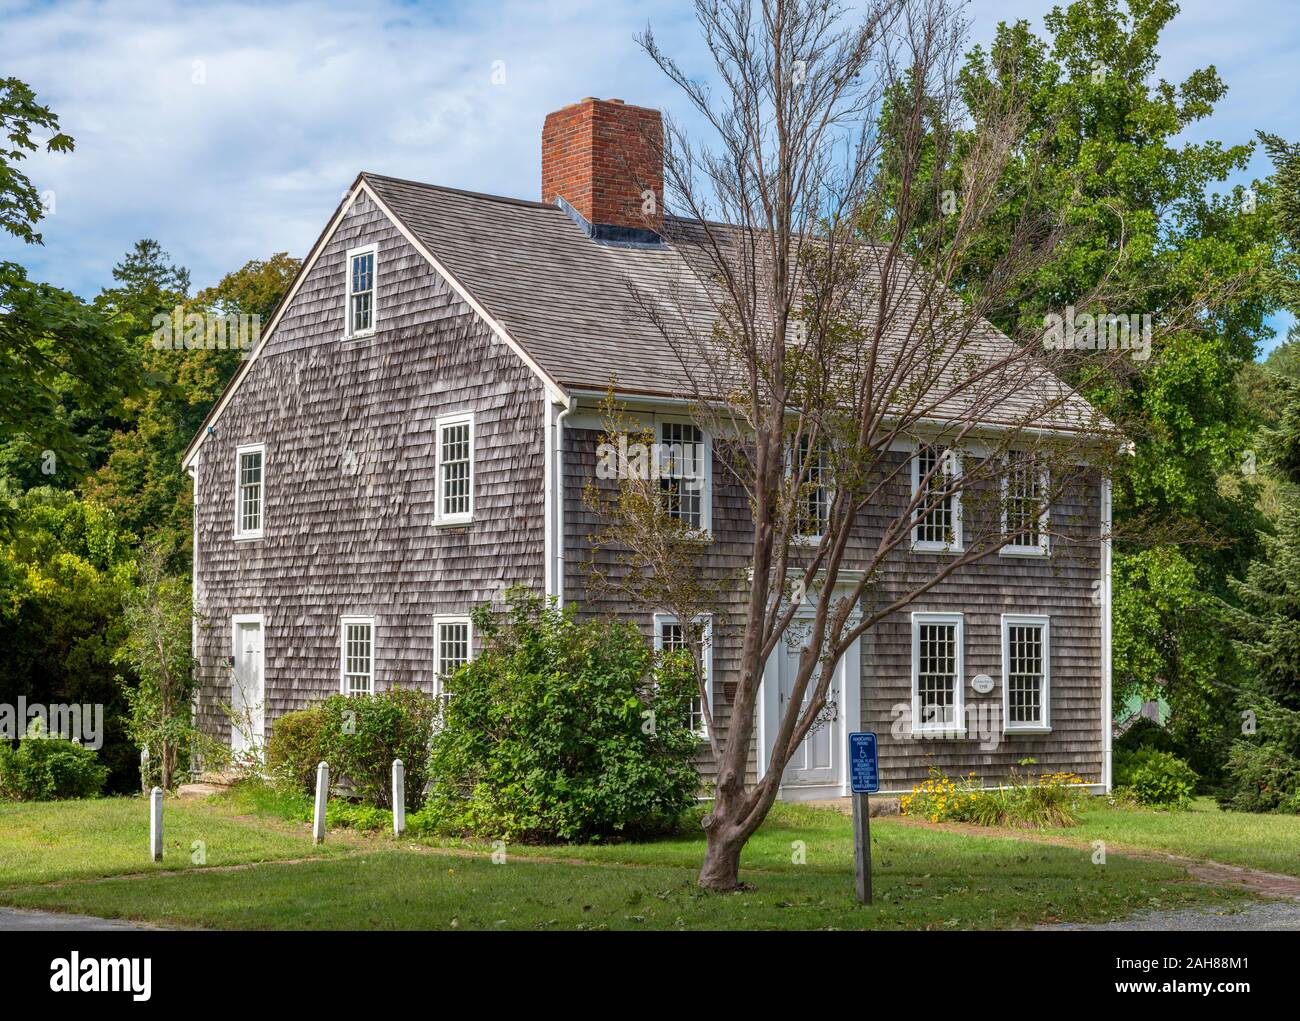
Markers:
1043,726
957,728
705,529
348,332
242,533
930,545
438,624
344,621
1043,547
797,537
445,422
706,636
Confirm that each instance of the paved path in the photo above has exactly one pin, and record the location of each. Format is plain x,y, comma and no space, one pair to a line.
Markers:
1275,917
21,920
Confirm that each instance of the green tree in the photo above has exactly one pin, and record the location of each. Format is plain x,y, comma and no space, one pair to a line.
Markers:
65,567
1147,217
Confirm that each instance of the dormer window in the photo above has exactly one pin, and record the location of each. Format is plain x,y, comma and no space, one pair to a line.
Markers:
361,291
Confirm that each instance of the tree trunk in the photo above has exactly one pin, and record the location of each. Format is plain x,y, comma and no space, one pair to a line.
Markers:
721,869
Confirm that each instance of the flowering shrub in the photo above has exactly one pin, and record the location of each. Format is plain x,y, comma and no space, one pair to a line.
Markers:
1053,799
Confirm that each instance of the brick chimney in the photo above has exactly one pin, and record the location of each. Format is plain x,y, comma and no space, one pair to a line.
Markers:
601,156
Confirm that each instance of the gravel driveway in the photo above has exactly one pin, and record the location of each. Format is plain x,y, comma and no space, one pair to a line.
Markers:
1276,916
19,920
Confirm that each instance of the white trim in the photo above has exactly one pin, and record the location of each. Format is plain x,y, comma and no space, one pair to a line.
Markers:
768,702
444,422
957,728
438,623
236,619
556,392
344,621
348,333
1107,726
1044,725
931,545
253,533
1019,549
705,531
706,638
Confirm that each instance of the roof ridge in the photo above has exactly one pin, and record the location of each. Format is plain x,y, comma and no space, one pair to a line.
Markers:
510,199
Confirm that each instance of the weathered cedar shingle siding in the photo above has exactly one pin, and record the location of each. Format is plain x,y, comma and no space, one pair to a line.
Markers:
349,480
1061,587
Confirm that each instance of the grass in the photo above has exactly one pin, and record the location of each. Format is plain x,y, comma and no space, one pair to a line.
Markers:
1267,842
924,879
43,842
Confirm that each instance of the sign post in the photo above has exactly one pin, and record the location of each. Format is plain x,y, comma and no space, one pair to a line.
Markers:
864,774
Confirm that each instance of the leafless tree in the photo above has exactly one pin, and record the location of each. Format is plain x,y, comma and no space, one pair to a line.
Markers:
817,333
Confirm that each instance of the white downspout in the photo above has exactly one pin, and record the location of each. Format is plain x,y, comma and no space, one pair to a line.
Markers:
1107,711
558,492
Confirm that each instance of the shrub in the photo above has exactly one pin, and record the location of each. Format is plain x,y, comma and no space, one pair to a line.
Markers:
361,735
49,768
295,748
1156,779
561,730
1051,800
1261,778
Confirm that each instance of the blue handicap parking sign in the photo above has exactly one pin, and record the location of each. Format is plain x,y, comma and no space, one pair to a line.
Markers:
864,767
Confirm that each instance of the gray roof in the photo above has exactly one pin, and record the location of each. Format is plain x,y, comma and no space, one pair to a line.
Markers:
576,305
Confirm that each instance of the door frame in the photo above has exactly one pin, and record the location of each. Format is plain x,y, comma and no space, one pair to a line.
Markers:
769,709
236,620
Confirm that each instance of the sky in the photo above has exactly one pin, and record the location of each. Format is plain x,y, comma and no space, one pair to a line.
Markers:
229,131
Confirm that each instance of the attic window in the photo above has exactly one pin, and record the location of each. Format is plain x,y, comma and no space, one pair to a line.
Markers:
361,291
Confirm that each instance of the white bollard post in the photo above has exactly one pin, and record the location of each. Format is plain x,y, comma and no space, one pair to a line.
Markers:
155,823
399,798
322,793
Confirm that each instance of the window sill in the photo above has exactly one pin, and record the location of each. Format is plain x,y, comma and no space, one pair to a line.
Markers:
247,536
445,523
1013,731
363,335
923,547
954,733
1028,552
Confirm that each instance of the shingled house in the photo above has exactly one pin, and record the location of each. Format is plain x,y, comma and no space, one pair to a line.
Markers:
414,430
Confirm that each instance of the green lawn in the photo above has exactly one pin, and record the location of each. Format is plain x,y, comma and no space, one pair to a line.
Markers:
47,841
925,879
1267,842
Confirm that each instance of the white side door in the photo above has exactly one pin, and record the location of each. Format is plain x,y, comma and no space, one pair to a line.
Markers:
248,689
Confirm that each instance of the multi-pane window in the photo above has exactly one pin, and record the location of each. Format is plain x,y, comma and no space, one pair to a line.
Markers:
1025,663
361,291
249,491
813,501
938,525
936,671
451,639
358,655
1024,506
683,474
455,469
671,635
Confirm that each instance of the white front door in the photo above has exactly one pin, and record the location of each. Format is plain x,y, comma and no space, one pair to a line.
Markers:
248,689
817,760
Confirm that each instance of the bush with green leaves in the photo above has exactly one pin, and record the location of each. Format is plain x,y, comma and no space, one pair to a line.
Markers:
48,767
295,748
562,730
361,735
1155,779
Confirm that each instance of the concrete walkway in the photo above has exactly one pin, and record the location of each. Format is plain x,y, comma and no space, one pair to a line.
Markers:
22,920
